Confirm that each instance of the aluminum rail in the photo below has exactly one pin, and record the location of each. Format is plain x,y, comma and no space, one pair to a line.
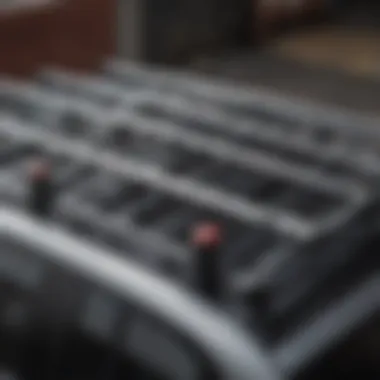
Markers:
224,342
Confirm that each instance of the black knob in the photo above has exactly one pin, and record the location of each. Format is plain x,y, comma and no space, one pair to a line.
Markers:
41,189
206,239
259,297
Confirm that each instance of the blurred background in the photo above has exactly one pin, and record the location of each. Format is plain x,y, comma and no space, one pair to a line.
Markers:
327,50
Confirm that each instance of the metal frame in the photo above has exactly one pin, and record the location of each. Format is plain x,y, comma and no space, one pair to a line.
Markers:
237,356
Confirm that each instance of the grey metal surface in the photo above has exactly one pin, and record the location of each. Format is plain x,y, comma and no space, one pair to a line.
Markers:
223,340
334,326
281,240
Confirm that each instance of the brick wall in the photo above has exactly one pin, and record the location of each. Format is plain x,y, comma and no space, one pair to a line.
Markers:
73,33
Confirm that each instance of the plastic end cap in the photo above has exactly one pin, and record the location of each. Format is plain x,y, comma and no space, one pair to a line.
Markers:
39,170
207,235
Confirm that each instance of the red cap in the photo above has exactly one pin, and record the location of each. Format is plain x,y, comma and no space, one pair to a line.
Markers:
39,170
207,235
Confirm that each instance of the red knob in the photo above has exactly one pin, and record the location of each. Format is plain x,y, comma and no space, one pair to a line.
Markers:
206,239
39,169
207,235
41,191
